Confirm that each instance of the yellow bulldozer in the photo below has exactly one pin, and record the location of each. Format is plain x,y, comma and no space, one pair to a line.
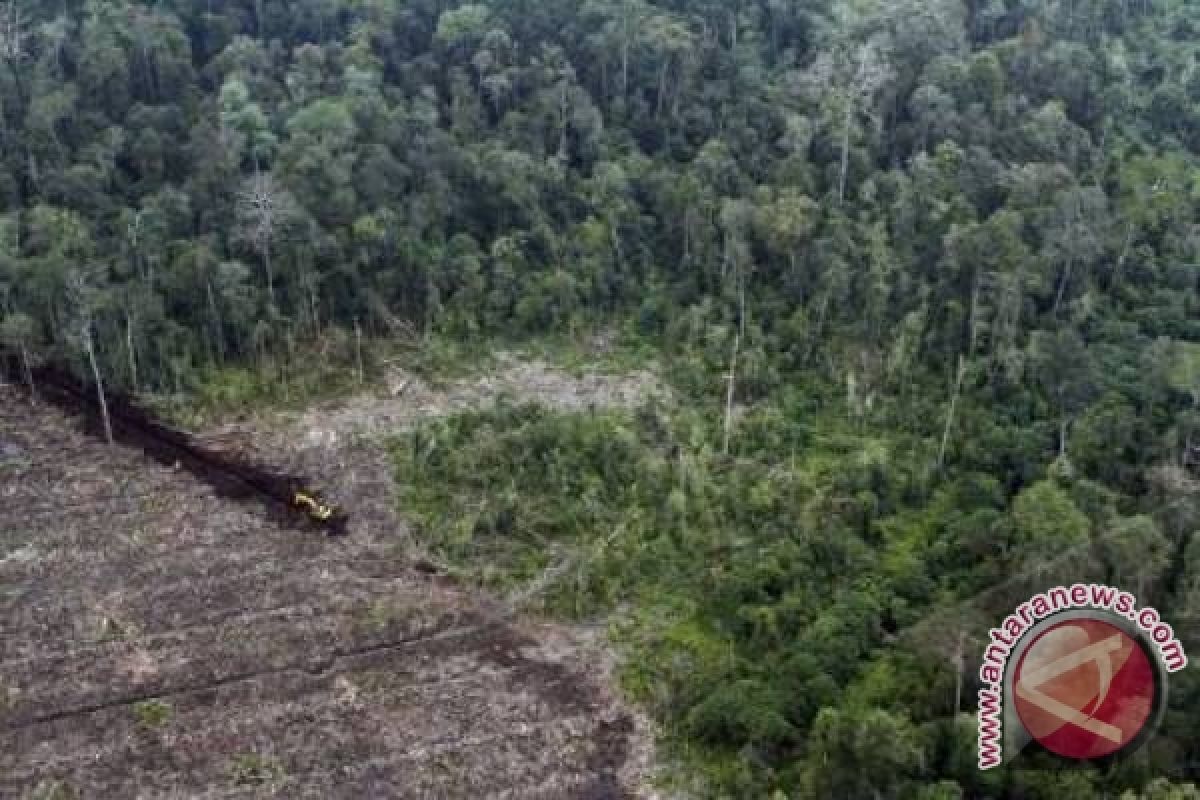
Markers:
313,506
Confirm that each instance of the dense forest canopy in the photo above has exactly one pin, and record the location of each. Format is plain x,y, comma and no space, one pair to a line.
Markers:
948,251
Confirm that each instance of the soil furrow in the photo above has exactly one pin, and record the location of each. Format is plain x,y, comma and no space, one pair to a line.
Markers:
295,664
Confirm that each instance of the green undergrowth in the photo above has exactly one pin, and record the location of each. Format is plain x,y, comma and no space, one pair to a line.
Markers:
152,713
745,589
786,610
217,392
251,769
327,370
53,790
616,350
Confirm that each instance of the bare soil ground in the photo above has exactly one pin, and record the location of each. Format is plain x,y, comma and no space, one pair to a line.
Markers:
157,641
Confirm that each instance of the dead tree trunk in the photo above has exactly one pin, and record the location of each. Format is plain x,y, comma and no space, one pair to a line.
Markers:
1119,268
844,170
358,353
266,257
27,369
958,383
959,662
90,348
732,388
130,351
737,342
1062,286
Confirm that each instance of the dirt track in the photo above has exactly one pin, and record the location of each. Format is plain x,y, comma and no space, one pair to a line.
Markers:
159,641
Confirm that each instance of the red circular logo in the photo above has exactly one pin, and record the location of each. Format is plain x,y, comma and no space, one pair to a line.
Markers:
1084,689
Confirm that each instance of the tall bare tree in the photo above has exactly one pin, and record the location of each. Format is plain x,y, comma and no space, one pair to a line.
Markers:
84,301
14,50
266,212
850,80
14,39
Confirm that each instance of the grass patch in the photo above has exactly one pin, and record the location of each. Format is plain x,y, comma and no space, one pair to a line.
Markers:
251,769
53,790
152,714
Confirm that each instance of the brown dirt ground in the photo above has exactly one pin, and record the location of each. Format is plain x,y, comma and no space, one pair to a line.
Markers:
157,641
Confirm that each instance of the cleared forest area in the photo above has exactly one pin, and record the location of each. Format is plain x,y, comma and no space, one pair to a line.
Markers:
158,640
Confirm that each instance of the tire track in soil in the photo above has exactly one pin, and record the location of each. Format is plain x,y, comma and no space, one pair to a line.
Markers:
377,660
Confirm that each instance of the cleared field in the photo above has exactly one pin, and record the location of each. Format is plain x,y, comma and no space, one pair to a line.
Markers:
157,640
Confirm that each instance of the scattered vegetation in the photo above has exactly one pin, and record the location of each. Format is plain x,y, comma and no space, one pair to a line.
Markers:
8,699
53,790
251,769
152,714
